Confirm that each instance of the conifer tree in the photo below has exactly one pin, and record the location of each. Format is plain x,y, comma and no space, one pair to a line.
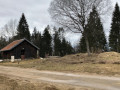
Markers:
70,49
95,32
57,44
82,45
64,47
114,37
3,42
23,29
36,38
46,42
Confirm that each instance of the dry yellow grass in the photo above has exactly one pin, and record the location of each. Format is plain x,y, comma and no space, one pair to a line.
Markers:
105,63
12,84
106,57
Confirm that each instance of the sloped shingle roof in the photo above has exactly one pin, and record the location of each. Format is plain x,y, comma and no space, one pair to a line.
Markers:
14,44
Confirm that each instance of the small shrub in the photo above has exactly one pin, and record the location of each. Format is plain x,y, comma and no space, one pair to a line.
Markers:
51,88
101,62
116,62
71,89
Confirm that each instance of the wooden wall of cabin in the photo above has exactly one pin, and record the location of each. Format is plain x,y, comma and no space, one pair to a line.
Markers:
30,51
6,55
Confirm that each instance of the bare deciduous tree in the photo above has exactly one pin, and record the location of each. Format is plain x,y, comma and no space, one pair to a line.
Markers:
73,14
9,29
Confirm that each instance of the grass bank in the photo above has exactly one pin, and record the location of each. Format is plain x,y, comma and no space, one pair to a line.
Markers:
104,64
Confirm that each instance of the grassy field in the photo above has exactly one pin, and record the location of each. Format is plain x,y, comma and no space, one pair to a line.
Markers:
104,64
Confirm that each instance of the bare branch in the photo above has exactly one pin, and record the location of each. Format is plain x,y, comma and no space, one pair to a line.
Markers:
9,29
74,13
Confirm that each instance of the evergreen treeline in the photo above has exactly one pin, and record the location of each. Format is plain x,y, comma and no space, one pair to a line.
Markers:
61,46
49,44
56,44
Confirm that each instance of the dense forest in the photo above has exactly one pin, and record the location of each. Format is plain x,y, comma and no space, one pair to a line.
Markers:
55,43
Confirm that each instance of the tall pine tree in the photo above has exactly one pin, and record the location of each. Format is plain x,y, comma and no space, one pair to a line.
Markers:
57,44
82,45
70,49
114,37
36,38
23,29
95,33
46,43
64,47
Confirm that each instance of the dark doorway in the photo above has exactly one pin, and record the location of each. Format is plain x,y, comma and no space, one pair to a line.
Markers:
23,53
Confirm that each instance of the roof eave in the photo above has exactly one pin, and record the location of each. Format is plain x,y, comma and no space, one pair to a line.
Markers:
4,50
32,44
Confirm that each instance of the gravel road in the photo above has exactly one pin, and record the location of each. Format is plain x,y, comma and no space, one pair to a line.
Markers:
93,81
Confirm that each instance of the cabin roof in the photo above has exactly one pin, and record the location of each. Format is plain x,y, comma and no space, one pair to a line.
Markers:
16,43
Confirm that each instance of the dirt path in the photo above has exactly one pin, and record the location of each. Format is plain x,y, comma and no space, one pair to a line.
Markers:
92,81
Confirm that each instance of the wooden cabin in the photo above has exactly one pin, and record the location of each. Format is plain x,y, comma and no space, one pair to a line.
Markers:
20,49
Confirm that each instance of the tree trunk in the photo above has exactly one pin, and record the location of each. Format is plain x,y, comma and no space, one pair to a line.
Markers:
87,45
